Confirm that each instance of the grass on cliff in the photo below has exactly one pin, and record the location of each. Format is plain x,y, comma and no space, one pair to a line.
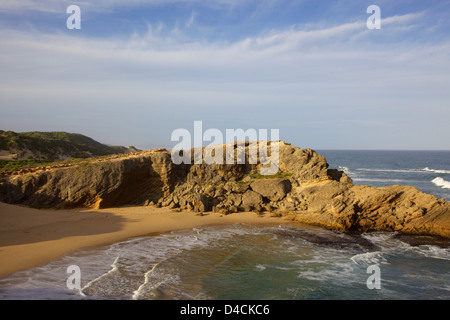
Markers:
51,144
17,165
279,174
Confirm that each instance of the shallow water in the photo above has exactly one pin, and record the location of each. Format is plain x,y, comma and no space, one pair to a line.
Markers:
246,262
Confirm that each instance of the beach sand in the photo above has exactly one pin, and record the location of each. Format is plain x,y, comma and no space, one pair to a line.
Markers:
30,237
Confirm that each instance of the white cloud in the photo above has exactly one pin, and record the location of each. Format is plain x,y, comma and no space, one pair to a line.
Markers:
291,39
56,6
317,76
191,20
406,18
49,6
287,55
175,49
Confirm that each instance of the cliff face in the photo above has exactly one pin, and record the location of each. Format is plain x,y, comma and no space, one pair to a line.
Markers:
98,184
304,190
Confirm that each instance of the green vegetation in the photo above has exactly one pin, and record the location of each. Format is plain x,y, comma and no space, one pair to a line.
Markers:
133,148
256,176
279,174
15,165
3,143
54,145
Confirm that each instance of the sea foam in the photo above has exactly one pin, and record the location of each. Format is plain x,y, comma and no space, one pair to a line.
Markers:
386,170
440,182
426,169
436,170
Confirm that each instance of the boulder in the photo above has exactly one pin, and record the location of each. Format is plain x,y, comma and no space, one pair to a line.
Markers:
199,202
236,199
240,188
272,189
251,200
210,191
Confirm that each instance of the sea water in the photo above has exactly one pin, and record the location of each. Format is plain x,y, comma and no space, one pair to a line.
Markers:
245,262
429,171
272,262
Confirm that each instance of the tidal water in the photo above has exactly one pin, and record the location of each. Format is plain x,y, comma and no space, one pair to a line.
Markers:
246,262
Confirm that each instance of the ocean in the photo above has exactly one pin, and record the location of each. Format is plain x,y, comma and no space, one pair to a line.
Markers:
278,262
429,171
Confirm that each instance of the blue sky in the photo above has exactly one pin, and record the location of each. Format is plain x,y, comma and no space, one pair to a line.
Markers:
139,69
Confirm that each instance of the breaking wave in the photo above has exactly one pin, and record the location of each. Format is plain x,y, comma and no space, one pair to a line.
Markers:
426,169
245,262
345,169
386,170
435,170
440,182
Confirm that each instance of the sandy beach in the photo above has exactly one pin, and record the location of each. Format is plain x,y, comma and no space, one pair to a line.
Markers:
29,237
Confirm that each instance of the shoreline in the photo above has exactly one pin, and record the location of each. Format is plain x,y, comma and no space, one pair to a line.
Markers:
30,237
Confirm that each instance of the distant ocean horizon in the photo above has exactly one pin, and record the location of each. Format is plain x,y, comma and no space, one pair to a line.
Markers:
267,263
427,170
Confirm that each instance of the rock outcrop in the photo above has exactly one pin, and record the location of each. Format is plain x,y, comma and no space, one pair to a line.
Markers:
304,189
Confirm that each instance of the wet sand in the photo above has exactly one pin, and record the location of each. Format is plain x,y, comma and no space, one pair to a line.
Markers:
30,237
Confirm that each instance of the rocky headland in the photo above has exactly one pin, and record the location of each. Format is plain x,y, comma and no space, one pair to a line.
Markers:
304,190
49,146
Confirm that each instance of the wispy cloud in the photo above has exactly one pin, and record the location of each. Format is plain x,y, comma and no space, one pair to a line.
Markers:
49,6
55,6
319,74
286,55
191,20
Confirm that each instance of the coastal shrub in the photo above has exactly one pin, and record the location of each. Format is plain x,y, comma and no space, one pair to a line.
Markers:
279,174
3,144
15,165
56,145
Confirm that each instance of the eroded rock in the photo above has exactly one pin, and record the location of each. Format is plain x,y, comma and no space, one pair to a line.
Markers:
272,189
308,192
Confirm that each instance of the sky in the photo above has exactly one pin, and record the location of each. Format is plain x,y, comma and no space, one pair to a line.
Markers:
138,70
